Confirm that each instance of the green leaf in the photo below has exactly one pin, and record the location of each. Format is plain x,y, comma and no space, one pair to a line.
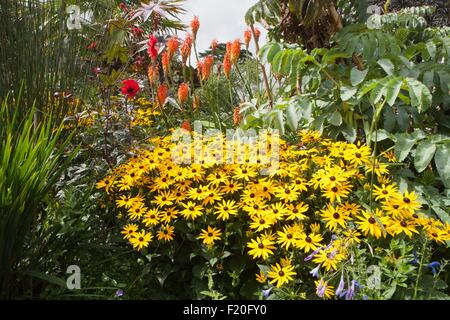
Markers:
347,93
419,94
403,144
387,66
424,153
335,118
393,89
291,117
442,161
356,76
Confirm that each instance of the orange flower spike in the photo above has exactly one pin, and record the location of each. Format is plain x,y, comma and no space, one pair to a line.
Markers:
195,25
183,92
199,68
153,74
236,116
247,37
186,48
214,44
235,51
162,94
227,66
165,63
172,46
229,45
206,66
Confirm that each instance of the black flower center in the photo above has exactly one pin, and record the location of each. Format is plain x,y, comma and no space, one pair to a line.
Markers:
336,215
372,220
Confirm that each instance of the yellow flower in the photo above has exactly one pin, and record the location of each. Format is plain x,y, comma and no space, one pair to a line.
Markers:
384,192
288,237
262,247
372,223
328,258
191,210
129,230
287,193
309,242
280,274
225,209
166,233
210,235
106,183
261,277
140,240
334,217
151,217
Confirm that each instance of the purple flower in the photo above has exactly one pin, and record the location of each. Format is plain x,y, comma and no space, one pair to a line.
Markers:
434,266
365,297
315,271
119,293
340,292
313,254
321,289
350,293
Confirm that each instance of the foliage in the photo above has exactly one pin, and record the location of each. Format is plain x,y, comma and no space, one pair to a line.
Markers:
32,160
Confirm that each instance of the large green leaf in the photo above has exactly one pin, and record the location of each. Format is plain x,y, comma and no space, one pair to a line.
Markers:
424,153
442,161
403,144
419,94
356,76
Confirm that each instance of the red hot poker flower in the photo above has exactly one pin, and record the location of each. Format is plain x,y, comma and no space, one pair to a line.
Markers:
257,34
186,48
153,74
195,25
130,88
172,46
162,94
227,66
152,50
247,37
183,92
235,51
165,63
206,66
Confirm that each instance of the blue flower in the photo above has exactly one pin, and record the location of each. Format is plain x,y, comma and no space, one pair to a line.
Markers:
266,293
365,297
313,254
434,266
315,271
340,292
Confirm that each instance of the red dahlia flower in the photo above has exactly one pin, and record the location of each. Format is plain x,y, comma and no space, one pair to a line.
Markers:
130,88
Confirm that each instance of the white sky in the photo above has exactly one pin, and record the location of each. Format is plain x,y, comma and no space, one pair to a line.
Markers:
223,20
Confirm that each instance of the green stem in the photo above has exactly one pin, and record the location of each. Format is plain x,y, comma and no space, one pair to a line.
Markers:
416,287
245,82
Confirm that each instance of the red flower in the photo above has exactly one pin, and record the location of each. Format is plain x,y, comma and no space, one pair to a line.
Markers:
124,7
152,51
92,46
206,66
136,31
130,88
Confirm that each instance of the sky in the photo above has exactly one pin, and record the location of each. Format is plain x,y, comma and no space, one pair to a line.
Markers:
223,20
